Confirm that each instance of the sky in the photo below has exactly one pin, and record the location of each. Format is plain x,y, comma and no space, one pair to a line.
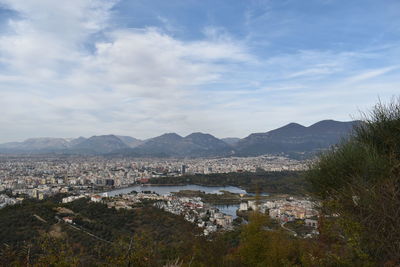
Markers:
226,67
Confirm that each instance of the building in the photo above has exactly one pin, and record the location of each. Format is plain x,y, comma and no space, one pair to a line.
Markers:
243,206
96,198
68,219
312,222
110,182
183,169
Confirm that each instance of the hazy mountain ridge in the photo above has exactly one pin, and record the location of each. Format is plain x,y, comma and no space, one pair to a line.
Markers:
43,144
208,142
296,138
99,145
193,145
290,138
230,140
130,141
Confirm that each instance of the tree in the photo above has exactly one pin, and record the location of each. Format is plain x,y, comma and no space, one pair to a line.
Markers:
262,247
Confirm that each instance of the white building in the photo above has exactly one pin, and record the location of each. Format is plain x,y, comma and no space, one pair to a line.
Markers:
243,206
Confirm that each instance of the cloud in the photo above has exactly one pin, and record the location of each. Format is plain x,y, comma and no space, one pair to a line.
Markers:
132,80
47,37
369,74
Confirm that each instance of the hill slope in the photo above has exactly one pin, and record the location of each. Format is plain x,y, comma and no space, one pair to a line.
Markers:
295,138
174,145
99,145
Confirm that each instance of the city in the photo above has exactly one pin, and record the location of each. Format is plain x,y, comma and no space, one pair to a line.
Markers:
42,176
92,177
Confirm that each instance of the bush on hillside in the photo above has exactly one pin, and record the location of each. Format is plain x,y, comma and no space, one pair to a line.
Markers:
359,184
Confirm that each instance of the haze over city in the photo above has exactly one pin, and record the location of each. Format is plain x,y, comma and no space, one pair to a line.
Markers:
229,68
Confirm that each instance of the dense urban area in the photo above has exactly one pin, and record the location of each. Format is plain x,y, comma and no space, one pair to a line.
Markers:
93,178
44,176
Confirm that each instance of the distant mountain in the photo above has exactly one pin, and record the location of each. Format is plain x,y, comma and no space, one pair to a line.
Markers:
295,138
75,141
130,141
81,145
174,145
207,142
102,144
169,144
231,140
291,139
208,145
34,145
289,130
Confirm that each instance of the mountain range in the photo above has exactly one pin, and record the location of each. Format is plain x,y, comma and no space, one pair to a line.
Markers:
290,139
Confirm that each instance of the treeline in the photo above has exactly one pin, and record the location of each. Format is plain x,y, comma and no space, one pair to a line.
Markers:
284,182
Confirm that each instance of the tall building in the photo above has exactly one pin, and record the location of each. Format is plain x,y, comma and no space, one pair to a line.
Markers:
183,169
109,182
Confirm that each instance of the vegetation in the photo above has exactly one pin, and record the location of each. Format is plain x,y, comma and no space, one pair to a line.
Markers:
158,239
359,183
26,228
299,227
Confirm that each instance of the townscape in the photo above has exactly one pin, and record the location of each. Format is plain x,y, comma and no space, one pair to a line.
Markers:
206,216
42,176
90,177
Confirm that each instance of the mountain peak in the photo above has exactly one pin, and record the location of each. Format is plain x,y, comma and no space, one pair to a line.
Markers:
100,144
199,134
103,136
293,125
170,136
288,130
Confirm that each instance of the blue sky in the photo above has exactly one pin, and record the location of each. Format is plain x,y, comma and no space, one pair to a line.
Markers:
229,68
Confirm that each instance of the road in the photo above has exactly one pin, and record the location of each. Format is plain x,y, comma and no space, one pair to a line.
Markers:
287,229
83,230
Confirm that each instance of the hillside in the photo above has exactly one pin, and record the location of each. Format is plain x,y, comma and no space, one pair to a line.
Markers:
96,234
295,138
99,145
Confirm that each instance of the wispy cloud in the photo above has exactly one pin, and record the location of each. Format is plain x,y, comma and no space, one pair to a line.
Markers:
369,74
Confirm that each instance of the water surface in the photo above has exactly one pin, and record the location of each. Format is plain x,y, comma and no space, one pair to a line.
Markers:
167,189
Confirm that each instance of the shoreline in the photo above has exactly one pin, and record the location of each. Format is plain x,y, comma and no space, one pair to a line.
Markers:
144,185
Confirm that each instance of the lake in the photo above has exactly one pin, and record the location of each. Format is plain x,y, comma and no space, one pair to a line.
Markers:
167,189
